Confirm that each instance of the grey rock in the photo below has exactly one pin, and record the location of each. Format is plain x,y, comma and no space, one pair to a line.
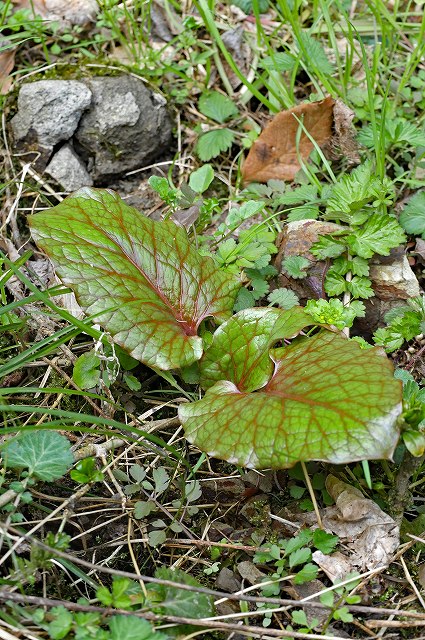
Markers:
126,128
394,281
48,113
227,580
68,169
249,572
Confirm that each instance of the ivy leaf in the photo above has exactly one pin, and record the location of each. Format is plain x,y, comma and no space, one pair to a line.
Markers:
412,218
217,106
142,280
212,143
45,455
240,348
295,266
379,235
327,400
86,372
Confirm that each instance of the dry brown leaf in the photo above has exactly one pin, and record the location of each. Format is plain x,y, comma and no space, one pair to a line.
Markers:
66,12
7,61
275,154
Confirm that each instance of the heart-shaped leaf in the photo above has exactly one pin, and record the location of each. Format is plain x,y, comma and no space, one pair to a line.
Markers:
326,400
240,348
142,280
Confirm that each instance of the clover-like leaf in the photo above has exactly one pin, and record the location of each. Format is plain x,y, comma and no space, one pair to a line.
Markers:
240,348
326,400
142,280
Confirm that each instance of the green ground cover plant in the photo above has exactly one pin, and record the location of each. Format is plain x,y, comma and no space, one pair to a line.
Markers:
130,431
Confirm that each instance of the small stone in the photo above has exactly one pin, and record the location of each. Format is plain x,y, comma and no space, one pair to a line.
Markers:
48,113
297,240
227,581
394,281
68,170
126,128
249,572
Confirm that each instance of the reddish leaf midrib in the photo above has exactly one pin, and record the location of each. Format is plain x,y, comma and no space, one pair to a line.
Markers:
190,329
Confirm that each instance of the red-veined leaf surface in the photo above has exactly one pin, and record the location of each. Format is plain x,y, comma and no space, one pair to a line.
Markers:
142,280
240,348
326,400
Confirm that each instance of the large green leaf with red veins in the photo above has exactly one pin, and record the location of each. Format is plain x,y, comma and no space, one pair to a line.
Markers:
240,350
142,280
327,399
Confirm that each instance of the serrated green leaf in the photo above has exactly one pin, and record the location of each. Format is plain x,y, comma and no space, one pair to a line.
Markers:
61,624
212,143
217,106
177,602
86,372
133,628
201,179
327,247
46,455
412,218
284,298
335,284
295,266
300,556
307,574
353,191
279,61
314,54
401,130
142,280
327,400
245,300
360,287
324,541
259,288
379,235
240,348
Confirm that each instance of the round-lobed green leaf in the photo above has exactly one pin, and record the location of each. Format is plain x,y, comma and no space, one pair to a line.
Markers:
327,400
